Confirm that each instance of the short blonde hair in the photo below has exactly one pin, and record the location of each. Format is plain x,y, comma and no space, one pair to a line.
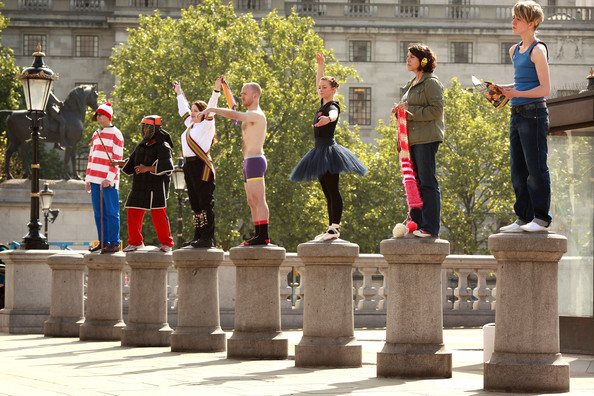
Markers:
529,11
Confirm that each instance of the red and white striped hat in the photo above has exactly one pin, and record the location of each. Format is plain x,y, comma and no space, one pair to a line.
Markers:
104,109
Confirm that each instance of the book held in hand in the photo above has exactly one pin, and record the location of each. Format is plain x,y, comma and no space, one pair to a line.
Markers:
492,92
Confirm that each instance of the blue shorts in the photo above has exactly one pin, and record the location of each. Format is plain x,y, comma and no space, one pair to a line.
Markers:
254,167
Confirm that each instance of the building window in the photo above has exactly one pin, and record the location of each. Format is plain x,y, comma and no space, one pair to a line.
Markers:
360,106
505,58
359,51
87,84
404,50
461,52
87,46
30,42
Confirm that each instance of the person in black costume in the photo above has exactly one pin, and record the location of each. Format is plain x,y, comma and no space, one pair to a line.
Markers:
327,160
151,164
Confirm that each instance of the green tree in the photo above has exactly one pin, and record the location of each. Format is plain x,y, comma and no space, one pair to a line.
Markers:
210,40
9,96
473,170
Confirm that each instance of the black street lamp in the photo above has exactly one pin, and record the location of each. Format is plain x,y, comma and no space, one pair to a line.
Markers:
37,82
179,183
46,196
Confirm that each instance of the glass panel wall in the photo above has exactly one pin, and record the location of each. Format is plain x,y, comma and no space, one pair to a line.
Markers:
571,161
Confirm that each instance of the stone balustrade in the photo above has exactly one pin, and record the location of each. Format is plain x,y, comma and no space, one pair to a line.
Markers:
468,291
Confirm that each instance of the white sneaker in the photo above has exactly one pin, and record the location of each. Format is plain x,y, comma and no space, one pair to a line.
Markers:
534,227
513,227
132,248
165,248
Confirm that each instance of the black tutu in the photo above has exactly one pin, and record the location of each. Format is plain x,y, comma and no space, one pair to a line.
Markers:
323,158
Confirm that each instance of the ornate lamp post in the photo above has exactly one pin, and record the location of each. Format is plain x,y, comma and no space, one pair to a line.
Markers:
37,82
179,183
46,196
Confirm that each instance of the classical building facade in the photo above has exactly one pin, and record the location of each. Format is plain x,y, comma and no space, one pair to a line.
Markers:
468,36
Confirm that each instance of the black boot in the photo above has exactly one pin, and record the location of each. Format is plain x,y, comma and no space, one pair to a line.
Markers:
197,235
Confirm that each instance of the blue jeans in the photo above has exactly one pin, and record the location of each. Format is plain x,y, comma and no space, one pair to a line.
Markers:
111,213
427,218
529,171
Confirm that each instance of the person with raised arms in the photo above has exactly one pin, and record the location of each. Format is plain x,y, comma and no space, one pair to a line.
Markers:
253,132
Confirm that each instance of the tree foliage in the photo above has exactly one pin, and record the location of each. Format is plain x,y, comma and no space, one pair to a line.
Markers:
9,94
473,170
210,40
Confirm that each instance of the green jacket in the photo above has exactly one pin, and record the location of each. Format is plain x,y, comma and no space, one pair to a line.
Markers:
425,102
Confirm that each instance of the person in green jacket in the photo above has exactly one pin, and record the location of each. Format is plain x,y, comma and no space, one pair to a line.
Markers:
422,98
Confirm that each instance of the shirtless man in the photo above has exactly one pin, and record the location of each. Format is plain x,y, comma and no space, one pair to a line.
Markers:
253,132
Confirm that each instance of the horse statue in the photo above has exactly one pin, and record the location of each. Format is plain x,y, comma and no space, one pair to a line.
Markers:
72,115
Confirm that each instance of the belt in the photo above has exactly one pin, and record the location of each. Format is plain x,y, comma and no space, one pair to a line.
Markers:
190,159
529,106
320,141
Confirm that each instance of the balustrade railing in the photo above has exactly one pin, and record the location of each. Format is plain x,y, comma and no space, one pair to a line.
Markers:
34,4
385,11
468,290
87,5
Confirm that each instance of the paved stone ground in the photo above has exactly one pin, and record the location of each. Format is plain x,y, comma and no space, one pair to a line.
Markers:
36,365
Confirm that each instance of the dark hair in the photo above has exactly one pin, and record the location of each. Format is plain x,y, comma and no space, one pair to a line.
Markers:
202,106
331,80
421,51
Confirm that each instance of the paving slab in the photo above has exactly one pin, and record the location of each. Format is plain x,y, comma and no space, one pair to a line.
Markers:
37,365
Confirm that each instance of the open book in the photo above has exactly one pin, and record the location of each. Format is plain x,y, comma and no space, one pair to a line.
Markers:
491,91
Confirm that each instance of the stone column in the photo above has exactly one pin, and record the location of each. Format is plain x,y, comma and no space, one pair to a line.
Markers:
103,320
257,333
147,310
526,356
198,317
414,323
328,318
67,310
28,289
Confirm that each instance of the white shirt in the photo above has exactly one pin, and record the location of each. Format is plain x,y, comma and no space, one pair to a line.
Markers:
202,132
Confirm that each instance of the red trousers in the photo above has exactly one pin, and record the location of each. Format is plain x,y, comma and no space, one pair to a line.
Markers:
160,221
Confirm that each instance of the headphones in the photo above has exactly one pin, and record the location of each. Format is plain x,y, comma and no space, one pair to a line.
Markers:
425,58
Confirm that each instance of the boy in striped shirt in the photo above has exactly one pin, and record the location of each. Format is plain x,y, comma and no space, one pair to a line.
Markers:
103,180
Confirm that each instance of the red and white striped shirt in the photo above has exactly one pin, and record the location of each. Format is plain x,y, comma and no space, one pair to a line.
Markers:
98,168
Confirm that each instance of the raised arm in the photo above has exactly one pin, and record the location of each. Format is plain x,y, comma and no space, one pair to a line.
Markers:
214,98
183,107
320,72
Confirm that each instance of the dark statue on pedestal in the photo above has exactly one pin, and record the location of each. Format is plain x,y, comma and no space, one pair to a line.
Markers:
63,125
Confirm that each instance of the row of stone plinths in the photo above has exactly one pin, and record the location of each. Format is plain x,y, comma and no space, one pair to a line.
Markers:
526,355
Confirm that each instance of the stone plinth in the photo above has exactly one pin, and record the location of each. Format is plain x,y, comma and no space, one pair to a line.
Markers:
103,320
67,310
147,310
328,320
198,318
257,333
28,289
414,331
75,223
527,357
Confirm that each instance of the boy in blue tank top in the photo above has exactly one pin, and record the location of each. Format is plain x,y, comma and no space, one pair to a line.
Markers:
529,122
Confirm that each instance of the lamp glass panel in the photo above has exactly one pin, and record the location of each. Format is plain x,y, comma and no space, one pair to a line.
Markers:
179,182
37,92
46,200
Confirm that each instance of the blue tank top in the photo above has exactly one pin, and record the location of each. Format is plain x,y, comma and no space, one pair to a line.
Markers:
525,77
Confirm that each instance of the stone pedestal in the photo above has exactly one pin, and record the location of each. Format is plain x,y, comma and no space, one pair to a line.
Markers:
328,319
414,324
526,356
103,320
147,311
27,294
198,318
67,310
257,333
